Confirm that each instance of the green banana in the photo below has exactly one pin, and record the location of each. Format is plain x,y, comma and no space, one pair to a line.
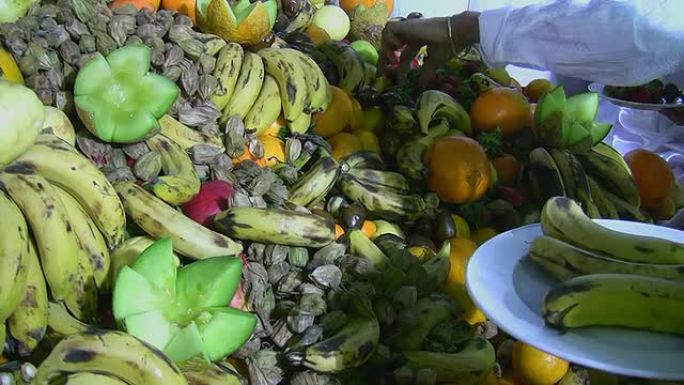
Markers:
181,181
223,374
625,210
564,219
301,124
575,180
384,227
480,83
160,220
87,378
283,227
90,237
185,136
350,66
266,107
434,105
313,186
383,203
403,120
430,310
247,88
127,252
62,165
622,300
29,321
370,73
438,267
364,160
468,366
57,243
318,86
382,179
612,174
61,324
15,244
227,70
289,73
544,174
607,150
303,18
604,205
350,347
111,353
582,262
362,246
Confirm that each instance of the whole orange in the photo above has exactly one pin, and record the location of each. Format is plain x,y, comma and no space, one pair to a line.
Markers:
507,169
536,88
459,169
348,5
500,107
537,367
139,4
185,7
274,149
653,177
344,144
337,116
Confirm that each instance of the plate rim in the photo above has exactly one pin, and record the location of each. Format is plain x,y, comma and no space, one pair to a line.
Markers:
599,88
549,347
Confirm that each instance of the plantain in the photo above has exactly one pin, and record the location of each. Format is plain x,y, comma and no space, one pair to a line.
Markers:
383,203
181,181
313,186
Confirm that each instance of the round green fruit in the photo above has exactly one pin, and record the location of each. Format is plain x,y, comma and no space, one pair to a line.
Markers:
333,20
366,50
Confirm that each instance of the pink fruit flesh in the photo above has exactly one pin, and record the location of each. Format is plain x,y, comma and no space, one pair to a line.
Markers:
238,301
214,197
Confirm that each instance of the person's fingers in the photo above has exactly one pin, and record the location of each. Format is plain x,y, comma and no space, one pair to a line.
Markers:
407,56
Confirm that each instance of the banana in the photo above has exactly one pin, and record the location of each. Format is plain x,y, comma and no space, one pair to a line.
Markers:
181,181
90,237
221,374
582,262
289,73
607,150
247,88
318,86
283,227
562,218
469,366
362,246
544,174
604,205
15,244
316,183
625,210
350,66
403,120
29,321
612,174
434,105
383,203
301,124
127,252
227,70
430,310
160,220
303,19
364,160
110,353
370,72
575,180
87,378
185,136
61,324
622,300
389,180
266,107
57,243
62,165
438,267
350,347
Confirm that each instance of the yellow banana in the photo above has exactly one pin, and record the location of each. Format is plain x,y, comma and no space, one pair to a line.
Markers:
247,89
58,124
301,124
319,90
228,64
29,321
181,181
63,165
185,136
62,324
14,253
87,378
266,108
161,220
289,73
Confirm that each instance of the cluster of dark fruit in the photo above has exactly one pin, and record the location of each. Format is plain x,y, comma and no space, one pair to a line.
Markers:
652,92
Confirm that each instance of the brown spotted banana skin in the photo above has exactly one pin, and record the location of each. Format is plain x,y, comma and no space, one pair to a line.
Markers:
113,353
28,323
319,90
383,202
228,64
181,181
14,253
160,220
284,227
288,71
247,89
62,164
266,108
57,243
313,186
349,64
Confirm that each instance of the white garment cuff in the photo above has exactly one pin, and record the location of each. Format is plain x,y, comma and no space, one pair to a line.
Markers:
491,23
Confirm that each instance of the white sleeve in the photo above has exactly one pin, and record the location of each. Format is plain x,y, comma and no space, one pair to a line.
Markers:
617,42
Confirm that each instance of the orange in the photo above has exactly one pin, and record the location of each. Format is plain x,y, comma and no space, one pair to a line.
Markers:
460,171
339,231
667,209
348,5
139,4
373,119
369,140
357,114
185,7
537,367
653,177
248,155
536,88
461,251
500,107
344,144
369,228
317,35
336,117
274,150
274,128
507,168
483,234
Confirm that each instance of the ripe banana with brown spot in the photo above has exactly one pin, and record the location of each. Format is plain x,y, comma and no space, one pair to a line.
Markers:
227,71
181,181
313,186
319,88
247,88
62,164
266,108
160,220
14,254
283,65
185,136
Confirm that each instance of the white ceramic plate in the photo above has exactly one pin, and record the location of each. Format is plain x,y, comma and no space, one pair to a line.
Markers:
509,289
597,87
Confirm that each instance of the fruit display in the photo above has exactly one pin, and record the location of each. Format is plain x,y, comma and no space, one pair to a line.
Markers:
226,192
654,92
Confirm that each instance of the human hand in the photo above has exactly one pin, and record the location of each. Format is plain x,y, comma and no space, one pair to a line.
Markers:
676,115
408,36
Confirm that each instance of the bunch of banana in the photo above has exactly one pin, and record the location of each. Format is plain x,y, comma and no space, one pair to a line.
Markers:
313,186
180,181
304,16
349,64
608,277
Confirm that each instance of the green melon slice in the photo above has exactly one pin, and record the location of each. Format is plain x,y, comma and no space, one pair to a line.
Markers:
599,131
133,294
208,283
187,344
223,322
583,108
158,265
152,327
